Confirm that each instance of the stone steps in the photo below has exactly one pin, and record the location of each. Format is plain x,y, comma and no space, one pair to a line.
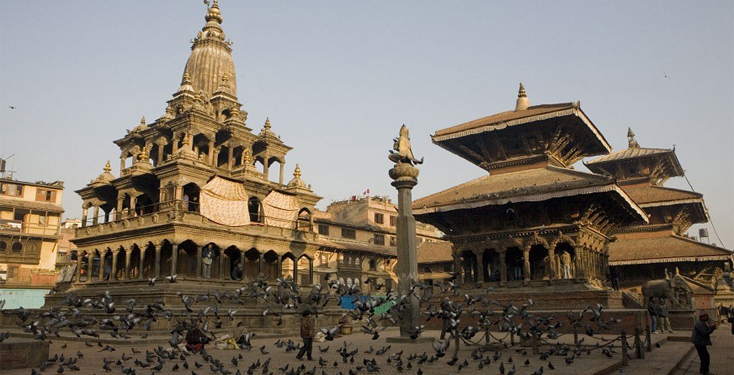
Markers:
665,360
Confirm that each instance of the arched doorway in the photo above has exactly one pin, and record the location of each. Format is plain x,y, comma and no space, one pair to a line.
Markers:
515,264
231,260
539,263
491,265
187,262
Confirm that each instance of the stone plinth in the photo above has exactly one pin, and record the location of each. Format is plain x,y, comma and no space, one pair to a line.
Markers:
18,353
682,319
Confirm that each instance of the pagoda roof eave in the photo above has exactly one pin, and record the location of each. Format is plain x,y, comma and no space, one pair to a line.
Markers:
512,118
638,153
635,251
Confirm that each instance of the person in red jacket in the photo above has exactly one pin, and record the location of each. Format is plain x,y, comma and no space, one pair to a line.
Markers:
308,331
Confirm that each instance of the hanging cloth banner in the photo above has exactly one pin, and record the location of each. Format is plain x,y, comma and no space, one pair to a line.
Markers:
225,202
281,210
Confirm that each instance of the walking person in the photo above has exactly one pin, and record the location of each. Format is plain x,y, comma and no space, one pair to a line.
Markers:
663,313
701,337
653,311
308,331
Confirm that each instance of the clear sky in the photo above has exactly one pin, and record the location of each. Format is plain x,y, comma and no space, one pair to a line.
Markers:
338,78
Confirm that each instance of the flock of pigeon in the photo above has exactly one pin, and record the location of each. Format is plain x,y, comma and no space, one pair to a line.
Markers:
211,311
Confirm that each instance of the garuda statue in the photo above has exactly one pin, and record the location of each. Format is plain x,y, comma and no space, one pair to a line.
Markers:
401,152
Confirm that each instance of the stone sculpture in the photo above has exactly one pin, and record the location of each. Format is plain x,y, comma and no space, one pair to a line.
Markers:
402,152
667,288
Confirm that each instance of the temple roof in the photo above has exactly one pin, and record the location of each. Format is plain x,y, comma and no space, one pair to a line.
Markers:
210,66
435,252
532,185
634,151
651,196
353,246
663,249
507,119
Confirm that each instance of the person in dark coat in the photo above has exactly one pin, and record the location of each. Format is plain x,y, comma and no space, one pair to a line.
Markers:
308,331
196,339
653,311
701,338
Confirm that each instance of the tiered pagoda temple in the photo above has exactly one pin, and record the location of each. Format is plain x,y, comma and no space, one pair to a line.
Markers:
645,251
189,193
533,225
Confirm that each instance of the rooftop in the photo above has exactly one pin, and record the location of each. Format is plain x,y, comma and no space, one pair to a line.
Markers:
435,252
663,250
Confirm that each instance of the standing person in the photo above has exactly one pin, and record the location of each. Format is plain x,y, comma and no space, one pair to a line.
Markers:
566,264
663,313
308,331
653,311
206,262
701,337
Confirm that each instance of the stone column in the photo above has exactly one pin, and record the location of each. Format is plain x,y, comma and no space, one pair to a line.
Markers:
242,262
122,164
457,268
128,255
310,271
222,275
157,265
480,266
78,271
503,267
282,168
261,263
279,267
90,262
230,157
198,261
579,261
211,153
215,158
140,263
174,258
266,166
118,210
174,146
95,219
131,210
84,215
295,271
100,271
113,270
405,177
526,263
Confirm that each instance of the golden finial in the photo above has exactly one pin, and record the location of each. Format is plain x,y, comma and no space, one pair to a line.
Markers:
186,77
107,167
142,121
213,12
297,172
267,123
246,157
522,99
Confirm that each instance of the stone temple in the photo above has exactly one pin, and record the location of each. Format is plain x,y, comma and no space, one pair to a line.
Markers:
188,194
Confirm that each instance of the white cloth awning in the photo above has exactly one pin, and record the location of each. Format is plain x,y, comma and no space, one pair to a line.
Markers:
225,202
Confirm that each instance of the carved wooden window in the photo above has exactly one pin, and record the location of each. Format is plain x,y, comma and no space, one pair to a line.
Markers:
393,220
11,189
17,247
45,195
3,246
373,265
323,229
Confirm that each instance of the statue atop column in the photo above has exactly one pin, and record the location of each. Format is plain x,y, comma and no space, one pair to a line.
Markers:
401,151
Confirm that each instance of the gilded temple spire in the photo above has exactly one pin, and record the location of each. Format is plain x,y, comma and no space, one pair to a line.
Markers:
107,167
522,99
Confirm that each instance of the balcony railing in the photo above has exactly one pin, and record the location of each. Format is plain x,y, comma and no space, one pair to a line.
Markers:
187,212
19,226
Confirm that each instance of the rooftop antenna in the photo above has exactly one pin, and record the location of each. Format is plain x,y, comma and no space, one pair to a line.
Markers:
3,166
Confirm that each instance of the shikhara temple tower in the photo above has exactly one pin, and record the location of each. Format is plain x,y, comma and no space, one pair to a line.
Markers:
533,225
645,251
189,193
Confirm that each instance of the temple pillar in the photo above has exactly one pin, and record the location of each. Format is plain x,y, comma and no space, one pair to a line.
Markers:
261,263
90,262
113,270
78,271
174,146
157,265
230,157
578,262
118,210
122,164
140,263
211,153
295,271
215,157
280,267
480,266
100,271
310,271
222,274
503,268
174,258
266,167
131,210
198,261
128,255
242,262
526,263
95,219
282,169
84,215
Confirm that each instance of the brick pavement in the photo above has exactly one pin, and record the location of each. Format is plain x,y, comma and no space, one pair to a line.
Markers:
587,364
722,354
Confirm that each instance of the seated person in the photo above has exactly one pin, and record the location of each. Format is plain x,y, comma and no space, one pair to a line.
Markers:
196,339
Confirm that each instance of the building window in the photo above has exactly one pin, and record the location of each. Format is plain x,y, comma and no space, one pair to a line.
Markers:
11,189
324,260
373,265
349,233
393,220
356,281
380,239
393,241
323,229
3,246
356,260
45,195
17,247
379,218
341,258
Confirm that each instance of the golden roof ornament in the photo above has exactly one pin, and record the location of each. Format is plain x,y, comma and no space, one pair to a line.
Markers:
631,142
522,99
107,167
213,12
267,123
296,182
